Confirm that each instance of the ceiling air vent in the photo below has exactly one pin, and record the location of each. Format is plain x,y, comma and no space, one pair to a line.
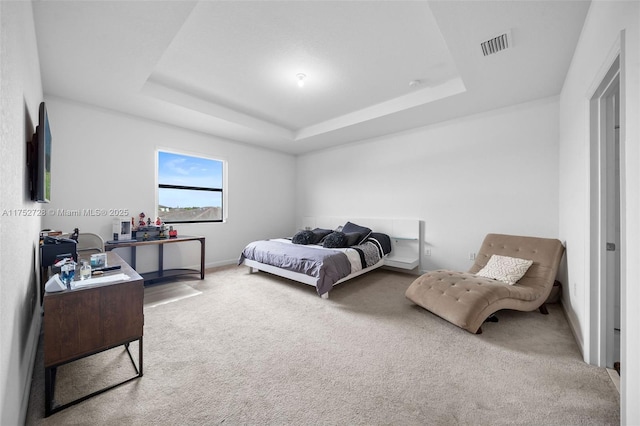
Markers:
496,44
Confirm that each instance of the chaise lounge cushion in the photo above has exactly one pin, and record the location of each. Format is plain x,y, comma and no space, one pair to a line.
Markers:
466,300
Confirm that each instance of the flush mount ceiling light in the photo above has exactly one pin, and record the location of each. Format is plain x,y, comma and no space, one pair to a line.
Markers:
300,76
415,83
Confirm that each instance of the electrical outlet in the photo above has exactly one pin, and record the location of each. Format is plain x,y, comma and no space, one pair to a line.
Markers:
472,256
427,252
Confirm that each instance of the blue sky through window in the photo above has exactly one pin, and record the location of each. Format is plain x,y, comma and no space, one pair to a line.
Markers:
186,170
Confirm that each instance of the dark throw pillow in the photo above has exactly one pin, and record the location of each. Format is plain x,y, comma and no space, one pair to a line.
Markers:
303,237
319,234
335,240
352,238
364,232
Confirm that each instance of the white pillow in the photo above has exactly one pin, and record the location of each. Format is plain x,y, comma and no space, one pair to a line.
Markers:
506,269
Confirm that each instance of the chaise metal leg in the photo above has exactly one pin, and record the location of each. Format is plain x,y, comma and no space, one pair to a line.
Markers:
543,309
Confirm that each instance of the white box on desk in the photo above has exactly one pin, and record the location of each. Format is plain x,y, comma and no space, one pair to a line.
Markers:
121,230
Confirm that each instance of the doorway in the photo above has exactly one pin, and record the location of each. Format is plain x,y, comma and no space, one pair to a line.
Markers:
606,201
612,245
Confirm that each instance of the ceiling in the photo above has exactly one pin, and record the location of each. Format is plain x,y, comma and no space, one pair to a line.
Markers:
228,68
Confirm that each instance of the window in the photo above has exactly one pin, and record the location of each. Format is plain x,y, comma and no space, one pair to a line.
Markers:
190,189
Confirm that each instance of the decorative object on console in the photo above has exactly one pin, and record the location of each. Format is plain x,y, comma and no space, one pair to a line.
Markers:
147,232
121,230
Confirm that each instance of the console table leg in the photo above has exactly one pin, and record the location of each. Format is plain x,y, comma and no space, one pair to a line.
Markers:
133,257
202,259
160,242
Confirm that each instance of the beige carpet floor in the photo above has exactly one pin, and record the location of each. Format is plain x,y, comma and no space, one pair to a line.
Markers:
258,349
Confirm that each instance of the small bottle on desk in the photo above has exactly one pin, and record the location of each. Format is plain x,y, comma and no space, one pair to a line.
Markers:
85,270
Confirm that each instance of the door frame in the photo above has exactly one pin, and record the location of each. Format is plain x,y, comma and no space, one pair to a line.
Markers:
601,121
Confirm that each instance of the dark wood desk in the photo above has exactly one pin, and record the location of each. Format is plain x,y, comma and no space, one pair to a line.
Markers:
161,273
85,321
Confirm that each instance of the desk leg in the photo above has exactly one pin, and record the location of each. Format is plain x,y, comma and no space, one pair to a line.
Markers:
50,384
202,259
160,258
140,355
49,389
138,367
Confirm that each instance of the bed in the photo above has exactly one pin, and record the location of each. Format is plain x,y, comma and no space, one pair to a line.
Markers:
321,257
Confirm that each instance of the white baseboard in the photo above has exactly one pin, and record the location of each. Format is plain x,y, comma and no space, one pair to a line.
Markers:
221,263
615,378
34,337
574,326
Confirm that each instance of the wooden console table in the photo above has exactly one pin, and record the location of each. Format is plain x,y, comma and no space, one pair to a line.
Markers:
161,273
87,320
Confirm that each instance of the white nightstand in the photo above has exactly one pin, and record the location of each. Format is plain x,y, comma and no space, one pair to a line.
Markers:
404,253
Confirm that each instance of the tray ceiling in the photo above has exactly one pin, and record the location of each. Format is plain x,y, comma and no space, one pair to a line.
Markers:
229,68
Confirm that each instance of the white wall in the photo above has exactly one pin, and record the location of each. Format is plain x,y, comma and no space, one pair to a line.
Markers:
106,160
602,28
492,172
20,96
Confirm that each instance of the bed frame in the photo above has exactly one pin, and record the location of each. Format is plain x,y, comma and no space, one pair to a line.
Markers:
397,229
305,279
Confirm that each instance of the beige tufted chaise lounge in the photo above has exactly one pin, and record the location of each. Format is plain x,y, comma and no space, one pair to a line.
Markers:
467,300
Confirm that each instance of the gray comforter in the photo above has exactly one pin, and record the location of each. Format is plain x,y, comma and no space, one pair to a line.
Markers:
327,265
